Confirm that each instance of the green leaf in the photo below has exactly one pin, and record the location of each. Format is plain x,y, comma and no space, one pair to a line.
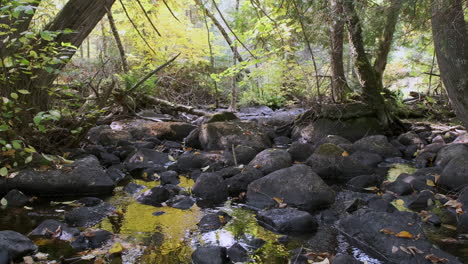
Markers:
3,172
4,128
3,202
14,95
24,92
17,144
28,159
47,35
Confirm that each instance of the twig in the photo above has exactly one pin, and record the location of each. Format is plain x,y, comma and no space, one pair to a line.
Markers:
147,17
152,73
170,10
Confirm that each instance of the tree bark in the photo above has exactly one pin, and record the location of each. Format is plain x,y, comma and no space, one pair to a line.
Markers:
118,41
339,84
81,16
221,30
368,78
387,38
450,35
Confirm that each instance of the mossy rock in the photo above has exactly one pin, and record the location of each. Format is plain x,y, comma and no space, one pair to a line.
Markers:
329,149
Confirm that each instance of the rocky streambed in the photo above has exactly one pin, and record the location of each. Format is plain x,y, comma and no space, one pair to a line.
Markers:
249,190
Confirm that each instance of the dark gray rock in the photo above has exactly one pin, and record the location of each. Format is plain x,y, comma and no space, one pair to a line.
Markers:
300,151
169,177
450,152
192,160
345,259
298,186
211,189
421,201
133,188
192,140
360,183
228,172
16,245
363,228
89,215
424,159
147,158
366,158
83,177
399,187
181,202
116,173
411,138
214,221
377,144
210,255
55,229
462,226
239,183
155,196
237,253
281,141
271,160
16,198
287,221
455,174
91,240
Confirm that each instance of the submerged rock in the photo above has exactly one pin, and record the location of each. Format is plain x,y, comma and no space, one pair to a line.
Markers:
237,253
287,221
89,215
297,186
16,245
215,221
82,178
55,229
155,196
210,255
16,198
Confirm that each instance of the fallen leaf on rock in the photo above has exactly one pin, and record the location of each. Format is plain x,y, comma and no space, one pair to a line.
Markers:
117,248
345,154
204,169
88,257
404,234
372,188
257,166
449,240
386,231
430,183
451,227
454,204
415,250
435,259
405,250
394,250
325,261
41,256
28,260
278,200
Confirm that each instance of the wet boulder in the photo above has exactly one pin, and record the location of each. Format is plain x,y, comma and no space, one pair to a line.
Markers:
298,186
366,158
192,160
222,116
192,140
88,216
211,189
82,178
411,138
106,136
243,154
15,198
455,174
210,255
271,160
16,245
364,230
239,182
169,177
237,253
300,151
334,163
54,229
155,196
91,240
287,221
133,188
214,221
181,202
223,135
449,152
377,144
145,158
360,183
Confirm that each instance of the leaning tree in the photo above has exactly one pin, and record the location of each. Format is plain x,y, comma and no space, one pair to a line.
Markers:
68,29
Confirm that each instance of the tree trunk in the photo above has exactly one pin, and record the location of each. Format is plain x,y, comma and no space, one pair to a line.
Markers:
368,78
81,16
235,78
450,35
118,41
339,84
221,30
387,38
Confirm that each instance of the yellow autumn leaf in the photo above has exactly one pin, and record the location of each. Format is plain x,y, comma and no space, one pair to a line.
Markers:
116,248
386,231
404,234
345,154
278,200
430,183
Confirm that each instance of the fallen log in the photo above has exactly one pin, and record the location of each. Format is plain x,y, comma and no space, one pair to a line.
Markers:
174,106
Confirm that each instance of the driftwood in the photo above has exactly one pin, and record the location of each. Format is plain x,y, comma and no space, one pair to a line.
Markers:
174,106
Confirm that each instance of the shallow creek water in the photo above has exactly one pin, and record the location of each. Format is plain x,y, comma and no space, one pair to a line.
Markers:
167,238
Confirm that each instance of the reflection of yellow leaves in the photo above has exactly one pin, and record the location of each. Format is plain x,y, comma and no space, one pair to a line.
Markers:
116,248
430,183
222,219
386,231
404,234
